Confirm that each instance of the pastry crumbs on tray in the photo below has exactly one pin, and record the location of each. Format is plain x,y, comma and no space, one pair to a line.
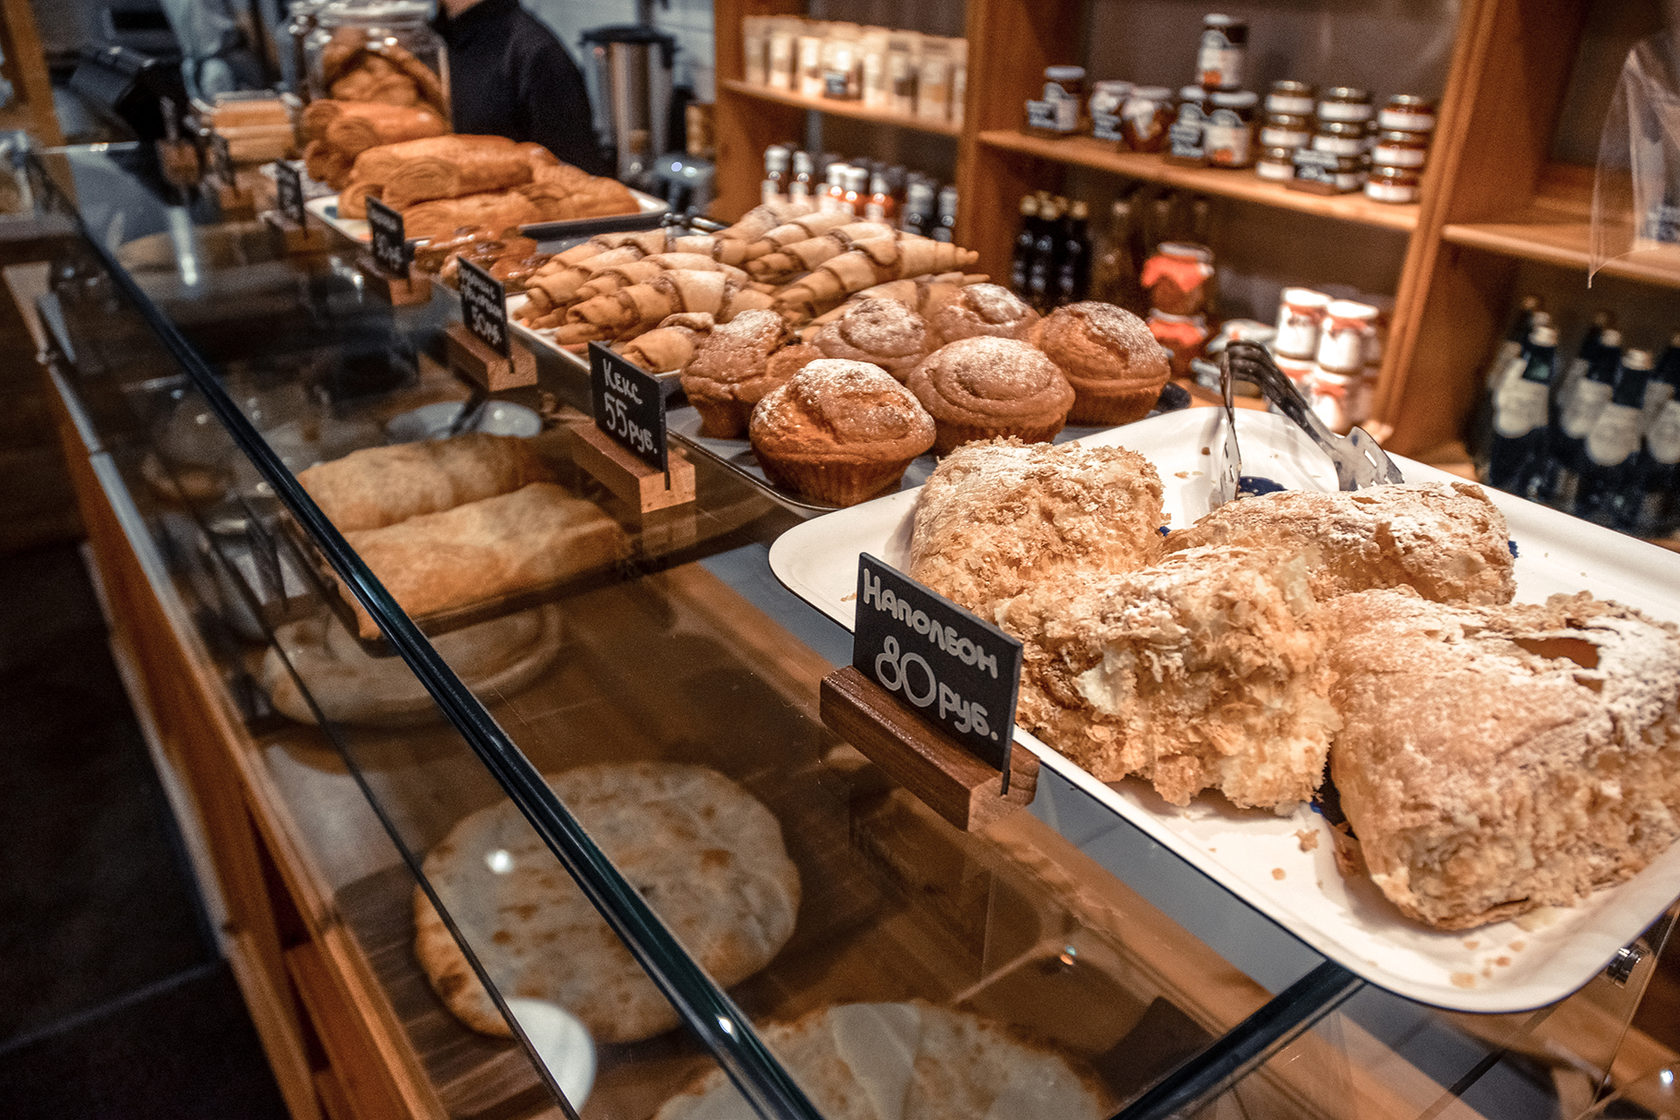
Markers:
1278,873
1502,962
1471,942
1308,839
1464,979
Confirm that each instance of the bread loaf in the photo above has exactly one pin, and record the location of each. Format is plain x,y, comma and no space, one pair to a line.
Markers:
380,486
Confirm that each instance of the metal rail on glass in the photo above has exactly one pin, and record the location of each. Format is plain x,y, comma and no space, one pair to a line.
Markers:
710,1013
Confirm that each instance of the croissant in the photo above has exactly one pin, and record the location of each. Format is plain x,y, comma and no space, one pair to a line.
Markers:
637,272
671,344
803,256
868,264
469,169
631,311
447,217
802,228
646,241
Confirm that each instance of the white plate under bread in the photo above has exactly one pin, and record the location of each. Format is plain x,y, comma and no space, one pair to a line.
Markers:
1501,967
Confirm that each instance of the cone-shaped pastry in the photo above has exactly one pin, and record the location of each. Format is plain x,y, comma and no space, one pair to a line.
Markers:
803,256
802,228
639,272
671,344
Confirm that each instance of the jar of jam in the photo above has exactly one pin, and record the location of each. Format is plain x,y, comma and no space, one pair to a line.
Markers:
1187,138
1275,165
1399,149
1146,117
1326,172
1342,138
1060,112
1291,98
1179,278
1181,336
1300,318
1230,129
1222,54
1407,112
1340,400
1107,99
1345,103
1341,339
1394,184
1286,130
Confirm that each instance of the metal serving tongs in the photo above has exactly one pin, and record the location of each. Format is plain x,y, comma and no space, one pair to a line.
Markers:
1358,460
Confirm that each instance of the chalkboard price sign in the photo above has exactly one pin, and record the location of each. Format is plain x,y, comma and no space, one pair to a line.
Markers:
484,307
629,406
390,247
288,190
953,669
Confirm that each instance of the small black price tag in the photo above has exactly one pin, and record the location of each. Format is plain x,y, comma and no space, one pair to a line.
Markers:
484,307
629,405
390,247
221,162
956,671
288,191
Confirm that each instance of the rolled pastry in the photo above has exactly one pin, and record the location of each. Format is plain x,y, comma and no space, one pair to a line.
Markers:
380,486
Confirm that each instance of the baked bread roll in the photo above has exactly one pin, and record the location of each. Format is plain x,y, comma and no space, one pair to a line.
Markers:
981,309
729,374
1495,759
530,539
875,1061
996,518
448,217
706,855
839,432
1446,541
380,486
982,388
882,332
339,131
434,167
1114,363
1206,671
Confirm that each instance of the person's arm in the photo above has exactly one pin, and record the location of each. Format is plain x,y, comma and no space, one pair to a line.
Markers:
555,102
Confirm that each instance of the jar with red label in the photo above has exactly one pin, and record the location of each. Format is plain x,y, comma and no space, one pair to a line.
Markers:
1292,98
1400,149
1342,341
1230,129
1179,278
1394,184
1222,53
1407,112
1340,400
1345,103
1300,318
1286,130
1146,117
1183,337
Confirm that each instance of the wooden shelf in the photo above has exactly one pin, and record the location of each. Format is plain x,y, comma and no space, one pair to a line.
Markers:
1245,186
1537,234
853,109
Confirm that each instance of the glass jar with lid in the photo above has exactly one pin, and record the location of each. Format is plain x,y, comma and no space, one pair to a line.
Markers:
378,50
1292,98
1345,103
1146,117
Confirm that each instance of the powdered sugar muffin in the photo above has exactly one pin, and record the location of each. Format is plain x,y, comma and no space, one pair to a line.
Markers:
981,309
882,332
984,387
1116,366
839,432
729,372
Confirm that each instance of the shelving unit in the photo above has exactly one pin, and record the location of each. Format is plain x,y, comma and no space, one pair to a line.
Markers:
1492,195
854,110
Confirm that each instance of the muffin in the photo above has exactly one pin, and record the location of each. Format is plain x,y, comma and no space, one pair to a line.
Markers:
882,332
981,309
729,372
1110,357
981,388
839,432
789,360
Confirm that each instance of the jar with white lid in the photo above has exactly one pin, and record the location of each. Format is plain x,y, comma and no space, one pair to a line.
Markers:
1342,344
1146,117
379,50
1300,318
1230,129
1108,97
1341,400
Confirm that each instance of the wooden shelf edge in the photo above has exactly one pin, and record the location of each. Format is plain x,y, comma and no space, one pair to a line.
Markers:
1566,244
853,110
1244,186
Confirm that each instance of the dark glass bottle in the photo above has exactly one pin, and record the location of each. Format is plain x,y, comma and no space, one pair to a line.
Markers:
1652,508
1073,273
945,226
1585,358
1020,263
1114,271
1046,258
918,207
1608,454
1573,422
1508,360
1664,384
1517,454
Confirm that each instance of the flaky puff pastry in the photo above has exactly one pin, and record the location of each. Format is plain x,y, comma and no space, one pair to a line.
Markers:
999,516
1206,671
1496,759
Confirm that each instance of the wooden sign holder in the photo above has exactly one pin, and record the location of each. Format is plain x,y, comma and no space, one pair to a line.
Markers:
407,291
235,201
949,780
634,482
298,238
477,361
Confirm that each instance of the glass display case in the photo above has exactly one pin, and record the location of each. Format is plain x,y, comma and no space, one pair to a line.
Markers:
592,846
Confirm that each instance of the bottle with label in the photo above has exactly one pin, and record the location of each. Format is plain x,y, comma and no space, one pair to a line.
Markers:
1114,271
1574,420
1609,451
1073,273
882,206
1020,261
776,178
1652,508
799,188
1585,356
1664,384
918,207
834,193
857,191
945,227
1510,356
1046,258
1521,405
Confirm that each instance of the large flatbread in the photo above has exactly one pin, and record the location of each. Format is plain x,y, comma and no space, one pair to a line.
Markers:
907,1061
704,853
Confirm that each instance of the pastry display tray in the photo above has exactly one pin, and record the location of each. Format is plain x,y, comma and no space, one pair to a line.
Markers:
651,210
1284,866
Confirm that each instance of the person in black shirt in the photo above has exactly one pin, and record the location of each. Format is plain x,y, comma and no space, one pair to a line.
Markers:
510,76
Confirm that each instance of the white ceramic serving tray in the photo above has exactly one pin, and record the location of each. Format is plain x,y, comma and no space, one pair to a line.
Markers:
1262,857
356,229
